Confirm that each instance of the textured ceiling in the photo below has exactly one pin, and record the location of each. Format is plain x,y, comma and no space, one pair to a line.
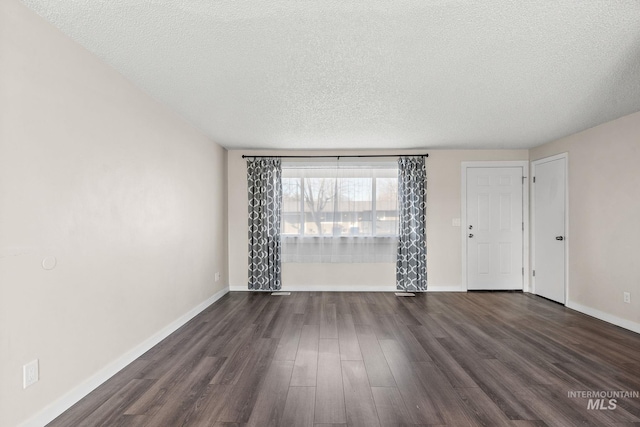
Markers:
371,74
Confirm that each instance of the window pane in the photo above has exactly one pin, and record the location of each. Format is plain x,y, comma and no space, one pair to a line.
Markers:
386,206
291,215
319,199
354,206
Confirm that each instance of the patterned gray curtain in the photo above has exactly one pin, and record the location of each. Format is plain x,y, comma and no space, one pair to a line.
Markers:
264,179
411,265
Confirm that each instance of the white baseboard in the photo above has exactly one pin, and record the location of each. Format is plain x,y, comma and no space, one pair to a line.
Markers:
348,288
446,288
50,412
610,318
337,288
322,288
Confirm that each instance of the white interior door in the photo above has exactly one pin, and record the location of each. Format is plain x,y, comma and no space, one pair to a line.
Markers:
494,228
549,237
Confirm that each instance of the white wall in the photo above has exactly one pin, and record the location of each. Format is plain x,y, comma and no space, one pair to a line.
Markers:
444,242
604,214
127,197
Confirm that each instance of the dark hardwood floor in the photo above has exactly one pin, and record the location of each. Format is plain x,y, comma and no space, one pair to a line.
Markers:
373,359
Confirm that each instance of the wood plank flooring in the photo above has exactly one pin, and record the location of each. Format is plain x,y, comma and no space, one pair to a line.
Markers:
373,359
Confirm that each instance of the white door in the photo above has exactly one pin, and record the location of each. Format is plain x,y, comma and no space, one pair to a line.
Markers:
549,237
494,228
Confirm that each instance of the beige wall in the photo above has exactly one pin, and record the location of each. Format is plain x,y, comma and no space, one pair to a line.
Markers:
128,198
604,210
444,243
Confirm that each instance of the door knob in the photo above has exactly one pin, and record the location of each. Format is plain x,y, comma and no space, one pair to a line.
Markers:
559,238
470,235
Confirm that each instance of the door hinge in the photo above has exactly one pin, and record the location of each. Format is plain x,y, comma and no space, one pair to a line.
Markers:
534,179
534,273
523,271
523,226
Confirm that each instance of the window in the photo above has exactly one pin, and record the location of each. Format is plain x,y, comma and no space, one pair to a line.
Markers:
339,212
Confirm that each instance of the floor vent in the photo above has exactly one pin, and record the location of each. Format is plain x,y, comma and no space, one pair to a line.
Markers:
280,293
405,294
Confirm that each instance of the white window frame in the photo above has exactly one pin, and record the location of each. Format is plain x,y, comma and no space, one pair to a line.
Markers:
374,211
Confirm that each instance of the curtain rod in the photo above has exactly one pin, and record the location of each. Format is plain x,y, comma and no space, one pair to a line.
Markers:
362,155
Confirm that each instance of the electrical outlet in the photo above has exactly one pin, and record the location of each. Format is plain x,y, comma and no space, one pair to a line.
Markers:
30,373
627,297
217,277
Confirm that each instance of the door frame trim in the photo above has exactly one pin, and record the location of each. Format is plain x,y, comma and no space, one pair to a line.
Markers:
524,164
565,157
